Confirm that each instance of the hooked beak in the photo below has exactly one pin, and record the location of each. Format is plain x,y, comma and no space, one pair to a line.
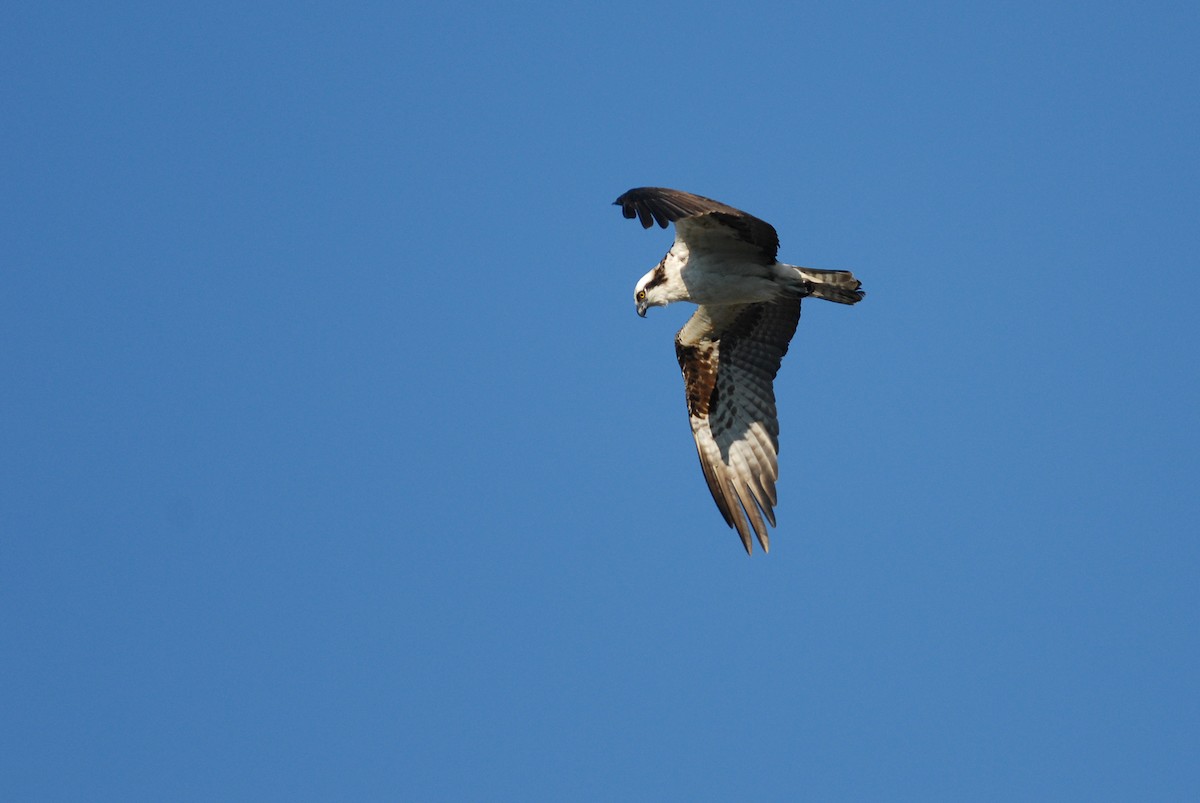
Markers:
641,309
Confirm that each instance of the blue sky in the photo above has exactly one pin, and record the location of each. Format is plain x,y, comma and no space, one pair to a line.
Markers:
336,464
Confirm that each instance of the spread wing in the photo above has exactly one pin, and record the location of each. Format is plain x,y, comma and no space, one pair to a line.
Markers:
729,356
702,223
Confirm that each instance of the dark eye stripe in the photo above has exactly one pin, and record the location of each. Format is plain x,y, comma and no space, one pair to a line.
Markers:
659,277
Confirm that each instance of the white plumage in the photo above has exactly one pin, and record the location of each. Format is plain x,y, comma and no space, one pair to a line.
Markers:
724,260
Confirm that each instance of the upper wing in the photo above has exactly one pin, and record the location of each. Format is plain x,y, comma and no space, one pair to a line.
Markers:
702,223
729,357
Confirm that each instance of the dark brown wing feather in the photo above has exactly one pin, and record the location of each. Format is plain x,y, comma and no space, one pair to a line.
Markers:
660,205
729,357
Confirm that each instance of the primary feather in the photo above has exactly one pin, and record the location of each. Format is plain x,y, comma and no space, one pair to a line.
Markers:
730,350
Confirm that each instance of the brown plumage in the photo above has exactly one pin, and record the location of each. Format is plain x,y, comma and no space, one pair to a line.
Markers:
659,205
729,361
730,350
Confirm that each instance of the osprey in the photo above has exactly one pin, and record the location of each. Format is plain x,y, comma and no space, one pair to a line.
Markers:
724,261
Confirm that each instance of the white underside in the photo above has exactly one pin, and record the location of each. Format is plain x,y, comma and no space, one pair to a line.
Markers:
716,277
717,280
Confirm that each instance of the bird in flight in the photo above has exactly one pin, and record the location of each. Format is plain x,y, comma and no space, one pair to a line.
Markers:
724,261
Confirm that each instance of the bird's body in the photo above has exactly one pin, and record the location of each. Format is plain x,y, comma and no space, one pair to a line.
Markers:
713,277
729,351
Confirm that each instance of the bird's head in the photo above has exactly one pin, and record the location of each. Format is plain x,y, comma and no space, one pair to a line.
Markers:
651,290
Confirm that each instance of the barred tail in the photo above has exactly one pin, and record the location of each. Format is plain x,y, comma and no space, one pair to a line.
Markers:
832,285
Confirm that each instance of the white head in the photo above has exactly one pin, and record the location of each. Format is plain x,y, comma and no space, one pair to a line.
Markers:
651,290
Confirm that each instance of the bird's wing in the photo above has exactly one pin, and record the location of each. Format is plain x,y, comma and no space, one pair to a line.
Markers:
702,223
729,356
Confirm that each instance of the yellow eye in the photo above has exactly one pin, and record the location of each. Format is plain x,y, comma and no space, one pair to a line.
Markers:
641,296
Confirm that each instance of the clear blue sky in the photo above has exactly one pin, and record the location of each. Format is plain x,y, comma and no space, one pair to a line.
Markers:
336,464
